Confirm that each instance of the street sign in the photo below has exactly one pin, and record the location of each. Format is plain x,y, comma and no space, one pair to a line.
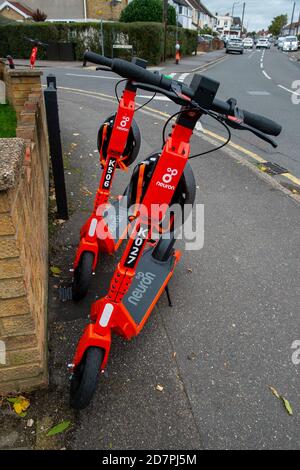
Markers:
122,46
2,92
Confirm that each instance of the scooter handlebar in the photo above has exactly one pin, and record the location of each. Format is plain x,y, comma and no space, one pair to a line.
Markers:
134,72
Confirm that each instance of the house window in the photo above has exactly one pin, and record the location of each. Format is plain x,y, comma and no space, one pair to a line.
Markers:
180,10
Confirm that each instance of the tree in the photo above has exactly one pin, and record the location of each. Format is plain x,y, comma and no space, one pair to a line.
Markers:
39,15
206,30
277,24
147,10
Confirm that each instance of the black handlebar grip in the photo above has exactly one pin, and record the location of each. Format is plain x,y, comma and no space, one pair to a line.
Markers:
265,125
139,74
97,59
261,123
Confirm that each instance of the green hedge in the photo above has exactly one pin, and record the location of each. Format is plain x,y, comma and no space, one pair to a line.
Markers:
146,38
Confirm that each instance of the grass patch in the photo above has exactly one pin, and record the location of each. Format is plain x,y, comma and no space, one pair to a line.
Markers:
8,121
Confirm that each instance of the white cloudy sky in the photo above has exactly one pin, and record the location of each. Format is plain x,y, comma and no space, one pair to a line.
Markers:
259,13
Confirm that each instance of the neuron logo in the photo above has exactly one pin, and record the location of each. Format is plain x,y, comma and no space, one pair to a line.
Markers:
2,352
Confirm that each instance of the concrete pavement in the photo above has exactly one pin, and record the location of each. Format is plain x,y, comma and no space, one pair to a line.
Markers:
186,62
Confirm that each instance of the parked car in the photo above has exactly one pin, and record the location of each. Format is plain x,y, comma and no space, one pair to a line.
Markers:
263,43
235,45
248,43
205,39
280,42
290,43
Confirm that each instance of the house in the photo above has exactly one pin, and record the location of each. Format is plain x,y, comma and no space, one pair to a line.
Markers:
192,14
184,13
206,18
292,29
223,24
228,25
16,11
68,10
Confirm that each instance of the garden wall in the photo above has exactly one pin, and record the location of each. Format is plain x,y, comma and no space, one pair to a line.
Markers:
24,174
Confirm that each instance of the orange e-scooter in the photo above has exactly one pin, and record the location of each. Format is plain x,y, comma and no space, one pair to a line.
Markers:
146,268
118,143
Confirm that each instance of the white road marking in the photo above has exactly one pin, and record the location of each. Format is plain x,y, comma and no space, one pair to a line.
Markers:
183,77
261,65
156,68
290,91
107,77
258,93
266,75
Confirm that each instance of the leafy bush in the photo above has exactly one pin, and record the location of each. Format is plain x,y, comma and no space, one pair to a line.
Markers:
187,39
147,10
206,30
146,38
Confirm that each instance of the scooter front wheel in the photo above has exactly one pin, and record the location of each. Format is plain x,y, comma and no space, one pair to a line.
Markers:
82,276
85,378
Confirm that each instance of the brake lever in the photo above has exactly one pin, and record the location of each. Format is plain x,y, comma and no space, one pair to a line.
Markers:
237,123
177,98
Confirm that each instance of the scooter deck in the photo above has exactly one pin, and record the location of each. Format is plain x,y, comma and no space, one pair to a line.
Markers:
148,284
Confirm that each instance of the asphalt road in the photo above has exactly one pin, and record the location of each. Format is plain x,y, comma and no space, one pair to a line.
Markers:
261,82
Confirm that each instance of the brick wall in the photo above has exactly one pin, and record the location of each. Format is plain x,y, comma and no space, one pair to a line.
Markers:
109,11
24,238
19,84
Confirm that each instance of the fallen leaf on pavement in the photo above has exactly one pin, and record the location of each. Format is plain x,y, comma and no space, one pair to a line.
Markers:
159,388
59,428
55,270
287,405
274,391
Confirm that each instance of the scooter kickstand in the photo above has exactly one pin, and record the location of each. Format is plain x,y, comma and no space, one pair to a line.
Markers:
168,295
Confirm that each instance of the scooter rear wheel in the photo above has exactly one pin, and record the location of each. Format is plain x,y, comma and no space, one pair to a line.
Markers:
82,276
85,378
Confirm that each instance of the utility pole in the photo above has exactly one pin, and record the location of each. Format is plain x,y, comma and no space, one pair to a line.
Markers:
292,18
243,17
165,21
233,5
198,29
